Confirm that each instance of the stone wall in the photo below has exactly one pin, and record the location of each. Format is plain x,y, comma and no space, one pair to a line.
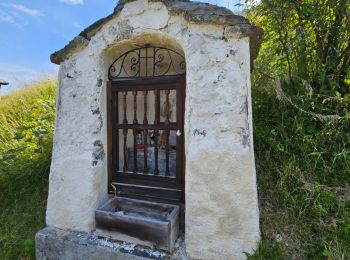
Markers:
221,197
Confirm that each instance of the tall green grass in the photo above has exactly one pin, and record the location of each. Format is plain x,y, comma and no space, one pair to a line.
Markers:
26,129
303,168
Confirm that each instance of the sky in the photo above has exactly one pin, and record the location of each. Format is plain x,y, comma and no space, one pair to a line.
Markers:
30,30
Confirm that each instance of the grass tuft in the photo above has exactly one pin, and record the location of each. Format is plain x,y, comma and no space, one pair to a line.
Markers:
26,130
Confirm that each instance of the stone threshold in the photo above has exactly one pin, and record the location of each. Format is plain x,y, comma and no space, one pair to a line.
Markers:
55,243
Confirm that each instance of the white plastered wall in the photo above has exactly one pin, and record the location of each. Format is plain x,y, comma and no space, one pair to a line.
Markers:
222,218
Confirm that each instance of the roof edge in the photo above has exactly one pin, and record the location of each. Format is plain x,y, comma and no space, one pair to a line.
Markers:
196,12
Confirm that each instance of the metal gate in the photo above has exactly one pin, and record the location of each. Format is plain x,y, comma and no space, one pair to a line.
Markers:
146,94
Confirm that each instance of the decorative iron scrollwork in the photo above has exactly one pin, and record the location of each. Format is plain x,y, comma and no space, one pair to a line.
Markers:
147,62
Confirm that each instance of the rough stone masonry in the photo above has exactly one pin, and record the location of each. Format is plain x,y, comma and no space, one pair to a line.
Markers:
222,217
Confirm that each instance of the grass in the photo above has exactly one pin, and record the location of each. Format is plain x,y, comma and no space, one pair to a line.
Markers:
303,169
26,126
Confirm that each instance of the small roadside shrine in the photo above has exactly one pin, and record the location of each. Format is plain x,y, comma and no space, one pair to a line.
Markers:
153,148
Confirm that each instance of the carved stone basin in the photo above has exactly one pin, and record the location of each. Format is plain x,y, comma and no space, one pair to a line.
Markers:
139,222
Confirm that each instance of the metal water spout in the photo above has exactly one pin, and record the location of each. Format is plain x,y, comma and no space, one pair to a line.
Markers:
115,190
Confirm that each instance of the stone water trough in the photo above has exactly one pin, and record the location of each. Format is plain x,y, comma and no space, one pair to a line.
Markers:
153,223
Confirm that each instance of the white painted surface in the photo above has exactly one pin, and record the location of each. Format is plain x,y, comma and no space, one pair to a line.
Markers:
222,218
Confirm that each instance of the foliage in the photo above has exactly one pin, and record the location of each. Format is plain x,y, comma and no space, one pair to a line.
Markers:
309,39
303,165
303,171
26,130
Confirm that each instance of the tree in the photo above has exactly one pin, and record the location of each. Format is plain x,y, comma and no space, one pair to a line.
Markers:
309,39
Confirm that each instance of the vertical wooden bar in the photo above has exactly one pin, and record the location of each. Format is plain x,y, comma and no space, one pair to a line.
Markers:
145,132
135,130
156,122
115,121
180,153
110,130
125,132
156,171
167,132
157,107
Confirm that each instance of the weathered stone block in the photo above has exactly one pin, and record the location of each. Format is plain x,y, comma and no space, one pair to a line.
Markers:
53,243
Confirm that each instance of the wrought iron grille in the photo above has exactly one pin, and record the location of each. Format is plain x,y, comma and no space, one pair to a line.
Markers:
147,61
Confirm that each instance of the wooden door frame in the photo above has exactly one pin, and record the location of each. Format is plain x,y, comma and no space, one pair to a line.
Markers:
170,189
